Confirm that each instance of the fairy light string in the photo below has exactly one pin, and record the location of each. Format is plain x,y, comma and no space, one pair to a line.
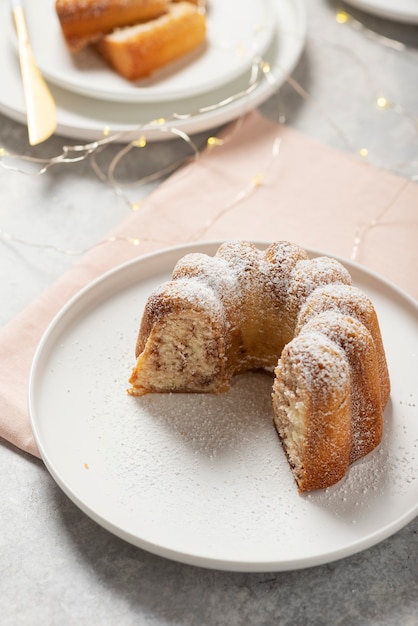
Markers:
260,71
257,180
365,227
343,17
133,241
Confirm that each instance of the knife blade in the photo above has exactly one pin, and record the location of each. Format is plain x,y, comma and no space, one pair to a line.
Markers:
40,106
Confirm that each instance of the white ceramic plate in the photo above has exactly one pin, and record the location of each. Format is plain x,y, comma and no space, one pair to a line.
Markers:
202,479
84,118
397,10
236,32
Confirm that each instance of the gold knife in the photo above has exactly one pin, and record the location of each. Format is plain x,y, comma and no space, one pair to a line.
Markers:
41,111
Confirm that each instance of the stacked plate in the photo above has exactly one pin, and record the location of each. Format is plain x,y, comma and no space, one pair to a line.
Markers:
404,11
193,95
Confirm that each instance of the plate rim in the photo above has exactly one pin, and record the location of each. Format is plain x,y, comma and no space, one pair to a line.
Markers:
406,14
244,565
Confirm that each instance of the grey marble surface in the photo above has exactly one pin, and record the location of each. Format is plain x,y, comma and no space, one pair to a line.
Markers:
59,567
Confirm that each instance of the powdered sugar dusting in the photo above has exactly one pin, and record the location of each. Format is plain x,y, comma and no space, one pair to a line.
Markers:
322,361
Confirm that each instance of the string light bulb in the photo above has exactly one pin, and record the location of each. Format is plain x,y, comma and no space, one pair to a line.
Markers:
342,16
141,142
257,179
214,141
382,102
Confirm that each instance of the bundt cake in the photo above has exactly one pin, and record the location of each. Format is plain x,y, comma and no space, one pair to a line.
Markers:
275,309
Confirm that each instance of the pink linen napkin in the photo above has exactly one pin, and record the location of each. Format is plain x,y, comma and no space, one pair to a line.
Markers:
266,182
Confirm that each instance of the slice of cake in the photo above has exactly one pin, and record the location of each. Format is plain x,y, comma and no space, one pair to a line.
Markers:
137,51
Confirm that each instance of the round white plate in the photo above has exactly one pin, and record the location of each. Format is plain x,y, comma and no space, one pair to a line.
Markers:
397,10
236,32
84,118
199,478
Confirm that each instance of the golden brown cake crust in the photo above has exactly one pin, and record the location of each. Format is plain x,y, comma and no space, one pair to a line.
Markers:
351,301
85,21
358,346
